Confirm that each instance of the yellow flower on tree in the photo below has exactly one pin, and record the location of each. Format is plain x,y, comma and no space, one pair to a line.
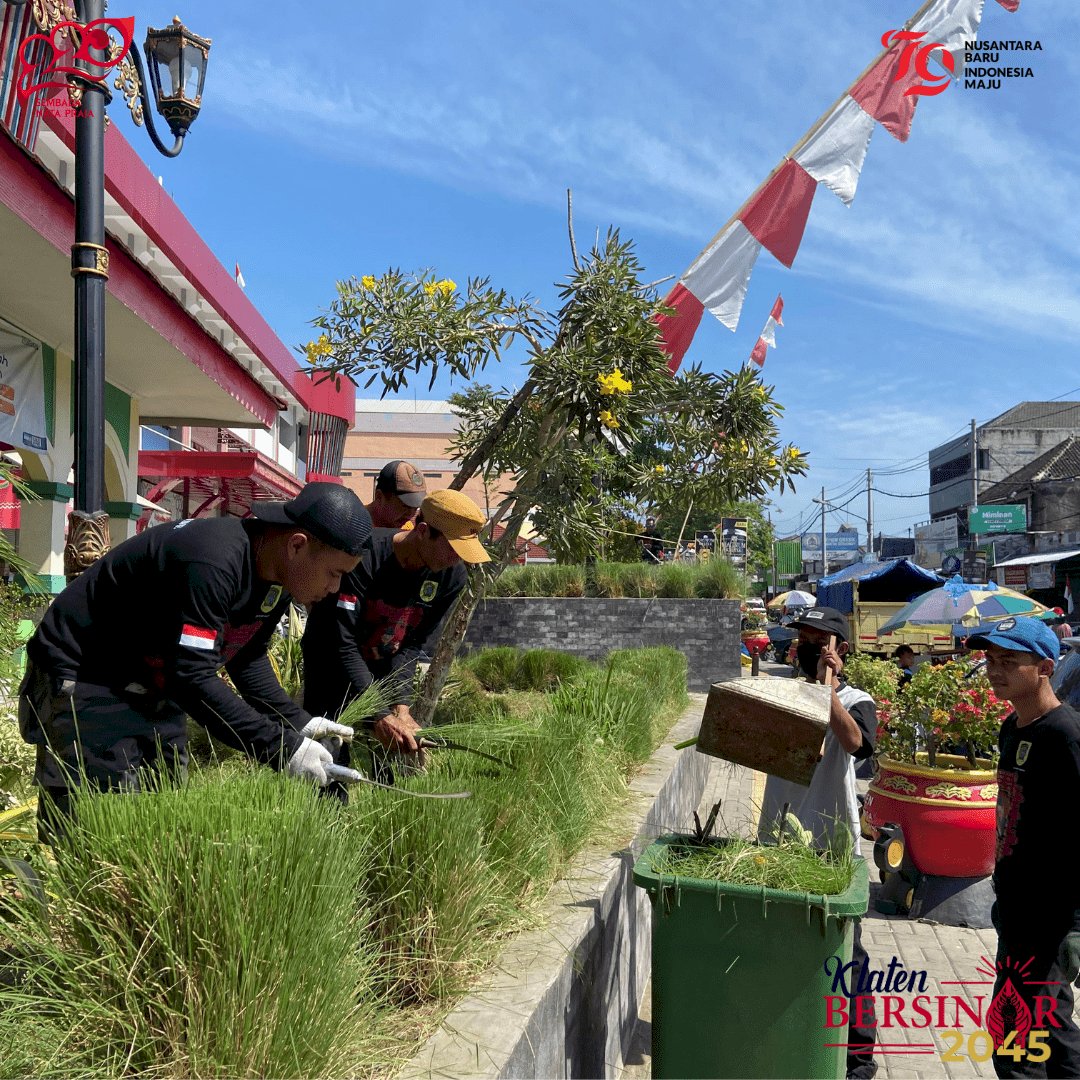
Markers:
614,383
368,281
318,348
446,286
431,288
607,418
660,470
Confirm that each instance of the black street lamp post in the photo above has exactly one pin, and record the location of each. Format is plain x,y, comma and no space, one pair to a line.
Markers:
177,61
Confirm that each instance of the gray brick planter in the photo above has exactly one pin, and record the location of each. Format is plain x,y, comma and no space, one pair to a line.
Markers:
706,631
562,1000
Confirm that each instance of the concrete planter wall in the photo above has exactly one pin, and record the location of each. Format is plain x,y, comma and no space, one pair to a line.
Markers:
562,1000
706,631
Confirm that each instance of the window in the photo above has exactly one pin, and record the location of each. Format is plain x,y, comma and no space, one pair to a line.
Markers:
950,470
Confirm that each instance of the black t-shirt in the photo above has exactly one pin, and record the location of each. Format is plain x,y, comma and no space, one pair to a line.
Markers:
376,627
157,618
1038,783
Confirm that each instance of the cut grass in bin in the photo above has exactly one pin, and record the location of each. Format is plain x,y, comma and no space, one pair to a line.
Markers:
789,866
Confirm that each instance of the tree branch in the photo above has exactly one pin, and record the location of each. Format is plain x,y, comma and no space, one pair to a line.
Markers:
570,227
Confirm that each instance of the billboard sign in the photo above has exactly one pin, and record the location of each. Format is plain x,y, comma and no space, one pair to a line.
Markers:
836,541
997,519
732,535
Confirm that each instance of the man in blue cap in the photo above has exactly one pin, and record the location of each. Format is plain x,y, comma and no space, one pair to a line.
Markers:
1036,878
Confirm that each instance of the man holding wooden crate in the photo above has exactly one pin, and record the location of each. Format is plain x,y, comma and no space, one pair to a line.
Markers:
828,808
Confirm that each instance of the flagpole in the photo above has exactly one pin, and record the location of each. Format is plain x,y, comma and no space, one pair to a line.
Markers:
811,131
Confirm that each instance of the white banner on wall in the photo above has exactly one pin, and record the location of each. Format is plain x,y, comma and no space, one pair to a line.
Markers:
22,392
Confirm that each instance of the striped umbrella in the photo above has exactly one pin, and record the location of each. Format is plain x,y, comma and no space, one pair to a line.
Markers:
960,604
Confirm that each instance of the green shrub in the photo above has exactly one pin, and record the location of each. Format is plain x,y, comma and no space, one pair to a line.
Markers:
714,578
16,760
205,931
496,669
545,669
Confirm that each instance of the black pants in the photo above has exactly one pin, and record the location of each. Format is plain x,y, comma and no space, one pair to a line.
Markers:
860,1062
95,736
1037,942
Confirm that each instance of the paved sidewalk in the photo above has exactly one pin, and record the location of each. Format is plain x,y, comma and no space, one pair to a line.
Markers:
947,954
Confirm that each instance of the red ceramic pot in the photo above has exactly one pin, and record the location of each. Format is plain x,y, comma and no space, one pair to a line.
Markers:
948,813
755,643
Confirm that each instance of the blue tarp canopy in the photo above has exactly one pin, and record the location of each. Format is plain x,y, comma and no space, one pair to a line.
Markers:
892,581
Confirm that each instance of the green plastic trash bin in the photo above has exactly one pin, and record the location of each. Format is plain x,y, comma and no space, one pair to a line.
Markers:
738,974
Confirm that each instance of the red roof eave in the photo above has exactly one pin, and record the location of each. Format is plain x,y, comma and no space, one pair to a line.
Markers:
31,192
134,187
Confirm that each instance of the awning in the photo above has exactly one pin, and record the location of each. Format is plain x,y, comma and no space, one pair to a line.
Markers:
1043,557
225,480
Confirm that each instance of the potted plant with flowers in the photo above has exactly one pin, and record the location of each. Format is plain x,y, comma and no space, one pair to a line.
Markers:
936,778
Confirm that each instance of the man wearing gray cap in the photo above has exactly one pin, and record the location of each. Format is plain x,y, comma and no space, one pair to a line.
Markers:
135,644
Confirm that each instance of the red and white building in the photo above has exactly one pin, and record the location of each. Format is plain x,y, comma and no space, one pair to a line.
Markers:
206,408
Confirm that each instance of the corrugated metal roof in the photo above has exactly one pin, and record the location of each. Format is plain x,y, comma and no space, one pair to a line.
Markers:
1053,415
1060,462
1042,557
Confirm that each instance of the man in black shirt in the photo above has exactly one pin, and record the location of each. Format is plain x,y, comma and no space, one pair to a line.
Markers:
136,642
387,610
1036,880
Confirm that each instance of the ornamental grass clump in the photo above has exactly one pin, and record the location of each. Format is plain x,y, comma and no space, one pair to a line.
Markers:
211,930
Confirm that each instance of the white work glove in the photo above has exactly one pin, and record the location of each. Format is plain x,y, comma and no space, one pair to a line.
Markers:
309,762
327,732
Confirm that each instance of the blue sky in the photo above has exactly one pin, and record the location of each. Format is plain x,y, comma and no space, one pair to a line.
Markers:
361,136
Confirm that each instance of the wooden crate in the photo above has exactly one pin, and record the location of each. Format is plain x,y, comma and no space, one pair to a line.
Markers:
776,726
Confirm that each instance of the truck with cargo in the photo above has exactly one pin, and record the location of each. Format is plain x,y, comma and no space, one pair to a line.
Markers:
871,593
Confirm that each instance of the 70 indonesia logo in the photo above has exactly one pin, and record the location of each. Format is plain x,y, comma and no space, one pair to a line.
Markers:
920,53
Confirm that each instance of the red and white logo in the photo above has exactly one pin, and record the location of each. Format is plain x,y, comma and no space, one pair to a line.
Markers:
46,60
934,82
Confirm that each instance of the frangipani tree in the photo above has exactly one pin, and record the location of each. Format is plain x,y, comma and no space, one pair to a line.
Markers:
599,424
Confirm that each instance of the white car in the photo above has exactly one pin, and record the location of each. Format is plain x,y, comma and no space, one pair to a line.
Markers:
753,605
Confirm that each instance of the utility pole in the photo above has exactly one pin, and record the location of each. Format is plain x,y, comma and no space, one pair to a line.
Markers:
870,511
772,543
824,548
974,477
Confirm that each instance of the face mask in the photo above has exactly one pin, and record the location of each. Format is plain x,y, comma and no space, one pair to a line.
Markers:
808,656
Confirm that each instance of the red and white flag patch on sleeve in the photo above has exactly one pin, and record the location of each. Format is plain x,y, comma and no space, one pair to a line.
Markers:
196,637
346,601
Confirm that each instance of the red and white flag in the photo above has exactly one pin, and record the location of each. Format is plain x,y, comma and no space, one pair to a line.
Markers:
767,340
831,153
240,278
198,637
346,601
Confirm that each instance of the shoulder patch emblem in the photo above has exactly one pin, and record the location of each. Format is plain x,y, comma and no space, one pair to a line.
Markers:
428,591
1022,752
270,601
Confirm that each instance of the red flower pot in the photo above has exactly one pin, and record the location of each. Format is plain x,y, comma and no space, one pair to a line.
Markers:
948,814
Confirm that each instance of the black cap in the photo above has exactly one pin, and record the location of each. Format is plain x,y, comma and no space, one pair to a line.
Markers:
825,618
330,512
403,479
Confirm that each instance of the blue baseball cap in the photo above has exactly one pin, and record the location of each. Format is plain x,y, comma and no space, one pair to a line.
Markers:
1021,635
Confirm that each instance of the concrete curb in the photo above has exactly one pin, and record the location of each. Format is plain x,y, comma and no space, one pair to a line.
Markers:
562,1000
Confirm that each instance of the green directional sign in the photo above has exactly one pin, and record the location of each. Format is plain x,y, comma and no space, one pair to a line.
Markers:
997,519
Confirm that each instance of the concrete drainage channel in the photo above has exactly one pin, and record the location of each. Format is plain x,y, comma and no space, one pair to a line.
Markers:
562,1000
